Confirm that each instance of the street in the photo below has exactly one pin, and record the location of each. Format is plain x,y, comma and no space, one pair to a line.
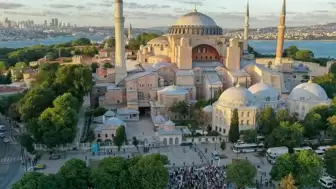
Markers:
10,157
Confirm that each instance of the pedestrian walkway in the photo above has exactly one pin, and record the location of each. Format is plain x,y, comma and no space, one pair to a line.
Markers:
10,159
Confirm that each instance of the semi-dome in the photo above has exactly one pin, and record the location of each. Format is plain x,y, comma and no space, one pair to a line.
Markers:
109,113
308,91
114,121
207,109
158,41
237,96
263,91
195,23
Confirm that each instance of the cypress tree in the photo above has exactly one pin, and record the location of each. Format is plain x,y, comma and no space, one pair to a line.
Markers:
234,127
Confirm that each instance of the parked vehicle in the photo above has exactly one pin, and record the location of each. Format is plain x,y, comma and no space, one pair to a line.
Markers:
215,155
2,128
273,153
53,157
252,147
6,140
2,135
327,182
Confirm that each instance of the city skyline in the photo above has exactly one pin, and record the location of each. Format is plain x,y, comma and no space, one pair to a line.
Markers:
263,13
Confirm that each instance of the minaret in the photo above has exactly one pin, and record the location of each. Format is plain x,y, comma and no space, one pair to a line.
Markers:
246,27
281,34
120,59
130,32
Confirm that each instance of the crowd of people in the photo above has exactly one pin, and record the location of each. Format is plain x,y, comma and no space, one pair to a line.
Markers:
210,177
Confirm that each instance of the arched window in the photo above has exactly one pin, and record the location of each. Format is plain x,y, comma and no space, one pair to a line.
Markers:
161,47
248,122
268,99
242,122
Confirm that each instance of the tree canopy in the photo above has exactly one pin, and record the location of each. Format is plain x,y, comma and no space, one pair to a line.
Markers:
288,183
305,166
81,42
142,39
287,134
234,127
266,120
120,137
75,174
180,108
330,161
250,136
241,173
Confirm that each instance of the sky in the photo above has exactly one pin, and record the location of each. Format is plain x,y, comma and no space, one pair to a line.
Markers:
151,13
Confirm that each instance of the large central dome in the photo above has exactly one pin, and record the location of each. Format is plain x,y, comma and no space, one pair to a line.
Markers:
195,23
195,19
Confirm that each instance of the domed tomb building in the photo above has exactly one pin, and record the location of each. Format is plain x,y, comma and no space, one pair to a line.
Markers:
304,97
234,98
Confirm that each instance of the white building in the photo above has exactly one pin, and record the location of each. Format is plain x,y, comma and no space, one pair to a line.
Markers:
304,97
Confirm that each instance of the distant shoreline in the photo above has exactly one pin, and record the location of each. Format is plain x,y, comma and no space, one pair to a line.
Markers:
326,40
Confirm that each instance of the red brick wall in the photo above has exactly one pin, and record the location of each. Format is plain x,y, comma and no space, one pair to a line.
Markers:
204,53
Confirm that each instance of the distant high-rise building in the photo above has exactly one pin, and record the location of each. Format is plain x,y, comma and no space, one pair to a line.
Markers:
56,22
53,22
45,22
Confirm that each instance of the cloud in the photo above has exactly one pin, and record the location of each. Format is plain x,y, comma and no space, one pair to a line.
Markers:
132,5
66,6
41,13
190,2
6,5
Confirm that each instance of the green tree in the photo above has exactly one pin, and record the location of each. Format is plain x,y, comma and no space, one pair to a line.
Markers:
76,174
241,173
332,125
332,69
141,39
79,86
312,124
35,101
108,173
223,145
107,65
180,108
65,101
20,65
288,183
304,55
250,136
135,142
305,166
81,42
291,51
27,142
89,51
284,115
327,82
150,172
35,180
330,161
94,67
120,136
234,127
287,134
3,67
266,120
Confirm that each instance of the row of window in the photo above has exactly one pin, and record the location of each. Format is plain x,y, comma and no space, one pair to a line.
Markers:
106,135
242,114
206,58
196,31
221,121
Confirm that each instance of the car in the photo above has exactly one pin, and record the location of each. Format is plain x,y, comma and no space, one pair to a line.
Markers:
54,157
6,140
2,128
39,166
2,135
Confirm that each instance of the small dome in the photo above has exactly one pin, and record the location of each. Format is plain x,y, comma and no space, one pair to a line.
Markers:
172,90
207,109
237,96
114,121
159,40
159,119
262,91
159,65
195,19
308,91
169,123
109,113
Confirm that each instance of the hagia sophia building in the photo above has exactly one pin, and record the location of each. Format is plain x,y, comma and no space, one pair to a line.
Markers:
195,61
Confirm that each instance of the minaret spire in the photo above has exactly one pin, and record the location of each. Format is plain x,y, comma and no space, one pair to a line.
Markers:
246,27
281,34
120,60
130,32
195,8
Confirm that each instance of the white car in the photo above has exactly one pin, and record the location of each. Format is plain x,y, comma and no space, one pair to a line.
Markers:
6,140
2,135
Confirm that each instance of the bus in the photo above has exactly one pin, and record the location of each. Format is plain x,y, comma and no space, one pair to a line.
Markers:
302,148
251,147
327,182
273,153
